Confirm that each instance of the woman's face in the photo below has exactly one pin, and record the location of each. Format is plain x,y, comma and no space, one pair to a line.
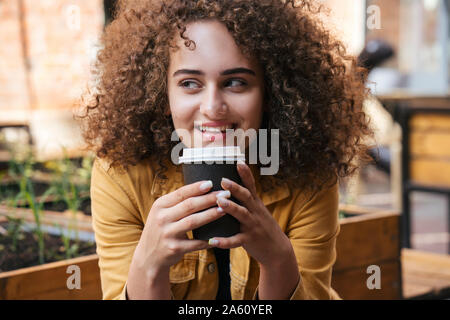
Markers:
214,87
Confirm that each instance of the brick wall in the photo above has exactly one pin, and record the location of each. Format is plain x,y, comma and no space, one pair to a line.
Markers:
13,87
45,60
59,36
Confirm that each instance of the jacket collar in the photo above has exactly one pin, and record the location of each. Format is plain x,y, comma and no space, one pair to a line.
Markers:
277,193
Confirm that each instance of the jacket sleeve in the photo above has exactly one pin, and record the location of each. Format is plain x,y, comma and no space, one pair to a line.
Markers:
117,226
313,230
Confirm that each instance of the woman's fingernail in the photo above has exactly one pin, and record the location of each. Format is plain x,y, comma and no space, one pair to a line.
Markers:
224,194
226,183
213,242
206,185
241,164
222,202
219,209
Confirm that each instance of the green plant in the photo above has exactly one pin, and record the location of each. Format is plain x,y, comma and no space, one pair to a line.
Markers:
84,173
70,192
70,250
63,186
2,174
67,190
23,170
14,231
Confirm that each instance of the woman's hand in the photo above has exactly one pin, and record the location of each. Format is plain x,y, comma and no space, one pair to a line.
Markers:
260,234
164,241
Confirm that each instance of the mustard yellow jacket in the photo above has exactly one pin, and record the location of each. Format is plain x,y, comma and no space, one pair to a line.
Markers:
120,206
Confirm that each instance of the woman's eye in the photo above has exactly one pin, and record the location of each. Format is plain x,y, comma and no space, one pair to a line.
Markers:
189,84
235,83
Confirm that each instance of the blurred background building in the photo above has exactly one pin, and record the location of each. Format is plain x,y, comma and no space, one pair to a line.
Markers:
46,51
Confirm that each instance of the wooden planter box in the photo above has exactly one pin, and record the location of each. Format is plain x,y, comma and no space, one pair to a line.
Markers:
370,237
49,281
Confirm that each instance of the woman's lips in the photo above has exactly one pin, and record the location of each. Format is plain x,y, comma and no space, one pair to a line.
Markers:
214,136
211,137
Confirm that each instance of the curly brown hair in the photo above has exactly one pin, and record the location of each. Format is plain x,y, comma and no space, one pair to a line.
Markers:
314,90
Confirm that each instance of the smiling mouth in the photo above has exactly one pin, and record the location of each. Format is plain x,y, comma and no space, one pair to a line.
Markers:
214,130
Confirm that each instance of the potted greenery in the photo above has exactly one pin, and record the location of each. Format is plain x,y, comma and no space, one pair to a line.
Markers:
38,247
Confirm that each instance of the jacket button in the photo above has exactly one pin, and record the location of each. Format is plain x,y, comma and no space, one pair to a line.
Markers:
211,267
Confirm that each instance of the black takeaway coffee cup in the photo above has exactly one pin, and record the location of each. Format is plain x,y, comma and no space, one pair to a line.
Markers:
212,164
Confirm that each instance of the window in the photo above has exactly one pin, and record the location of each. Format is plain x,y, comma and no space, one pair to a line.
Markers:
418,30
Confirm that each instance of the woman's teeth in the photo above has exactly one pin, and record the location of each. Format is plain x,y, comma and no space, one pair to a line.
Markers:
215,129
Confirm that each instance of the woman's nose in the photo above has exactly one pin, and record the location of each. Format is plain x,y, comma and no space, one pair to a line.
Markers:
213,105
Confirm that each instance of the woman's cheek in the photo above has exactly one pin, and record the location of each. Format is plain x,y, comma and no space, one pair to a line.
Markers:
251,114
183,112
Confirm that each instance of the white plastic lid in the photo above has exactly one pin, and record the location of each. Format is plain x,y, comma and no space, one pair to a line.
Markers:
211,154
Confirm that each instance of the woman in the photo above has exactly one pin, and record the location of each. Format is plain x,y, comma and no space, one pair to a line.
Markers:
169,65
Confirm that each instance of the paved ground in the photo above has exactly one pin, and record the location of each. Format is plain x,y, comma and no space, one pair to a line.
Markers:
428,211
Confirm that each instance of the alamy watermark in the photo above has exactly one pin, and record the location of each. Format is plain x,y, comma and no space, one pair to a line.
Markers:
374,281
73,17
73,281
373,17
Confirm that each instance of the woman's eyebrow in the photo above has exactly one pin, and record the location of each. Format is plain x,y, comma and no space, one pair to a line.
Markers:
238,70
223,73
